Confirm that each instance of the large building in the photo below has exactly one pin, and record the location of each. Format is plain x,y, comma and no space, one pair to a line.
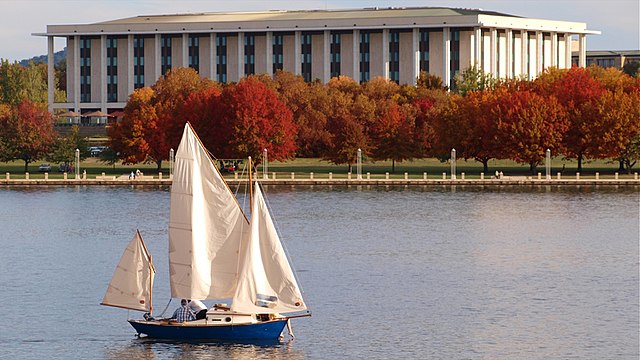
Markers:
106,61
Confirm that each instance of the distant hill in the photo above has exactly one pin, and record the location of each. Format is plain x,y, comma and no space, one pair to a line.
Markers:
57,57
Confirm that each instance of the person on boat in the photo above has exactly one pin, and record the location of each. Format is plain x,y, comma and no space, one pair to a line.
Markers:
198,308
183,313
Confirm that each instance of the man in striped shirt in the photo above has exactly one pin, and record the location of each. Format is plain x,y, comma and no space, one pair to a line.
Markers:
183,313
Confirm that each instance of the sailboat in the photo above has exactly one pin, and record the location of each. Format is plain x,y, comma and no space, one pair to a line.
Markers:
215,253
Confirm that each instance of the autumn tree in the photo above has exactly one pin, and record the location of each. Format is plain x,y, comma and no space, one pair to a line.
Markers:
203,110
26,132
259,121
575,89
393,134
529,124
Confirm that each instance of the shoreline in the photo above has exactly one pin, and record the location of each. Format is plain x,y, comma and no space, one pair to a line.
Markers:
332,182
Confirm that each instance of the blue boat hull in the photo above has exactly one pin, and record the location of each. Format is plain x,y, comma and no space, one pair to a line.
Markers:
268,330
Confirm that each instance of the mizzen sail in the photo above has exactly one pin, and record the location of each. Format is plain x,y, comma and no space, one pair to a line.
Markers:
132,281
266,283
206,226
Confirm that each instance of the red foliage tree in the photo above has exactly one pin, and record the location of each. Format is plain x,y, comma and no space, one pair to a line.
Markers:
26,132
259,121
394,133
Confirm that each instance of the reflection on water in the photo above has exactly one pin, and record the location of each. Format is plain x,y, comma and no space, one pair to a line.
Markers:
389,272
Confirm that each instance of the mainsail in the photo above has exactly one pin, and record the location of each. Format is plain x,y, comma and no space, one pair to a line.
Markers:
206,226
266,283
132,281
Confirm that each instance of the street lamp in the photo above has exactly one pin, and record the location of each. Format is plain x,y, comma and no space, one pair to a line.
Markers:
170,163
77,164
359,164
548,165
265,165
453,164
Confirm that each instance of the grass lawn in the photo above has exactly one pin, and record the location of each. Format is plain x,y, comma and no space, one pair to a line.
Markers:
321,169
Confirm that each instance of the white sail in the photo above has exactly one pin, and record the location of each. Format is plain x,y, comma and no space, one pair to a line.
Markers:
206,226
132,281
266,283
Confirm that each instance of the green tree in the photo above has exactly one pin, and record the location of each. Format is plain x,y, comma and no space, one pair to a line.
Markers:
632,68
473,79
64,148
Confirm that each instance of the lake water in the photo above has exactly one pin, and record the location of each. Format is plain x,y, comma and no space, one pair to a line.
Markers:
411,273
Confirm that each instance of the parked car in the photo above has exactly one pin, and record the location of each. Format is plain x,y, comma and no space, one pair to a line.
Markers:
44,168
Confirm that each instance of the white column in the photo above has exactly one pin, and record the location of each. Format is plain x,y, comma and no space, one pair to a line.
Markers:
524,52
567,49
157,63
385,53
509,54
297,53
477,46
493,52
582,57
185,50
356,56
213,52
326,49
415,51
240,55
539,52
76,70
50,73
554,49
103,73
130,64
269,52
446,56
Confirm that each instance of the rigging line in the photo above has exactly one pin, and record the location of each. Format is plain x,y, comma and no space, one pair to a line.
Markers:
282,242
165,308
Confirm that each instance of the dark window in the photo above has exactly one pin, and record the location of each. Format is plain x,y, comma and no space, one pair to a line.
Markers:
365,42
278,62
112,69
305,43
221,58
85,69
194,52
424,50
335,54
394,56
165,53
249,54
138,62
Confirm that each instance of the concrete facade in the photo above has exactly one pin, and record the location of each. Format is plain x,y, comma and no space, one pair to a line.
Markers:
500,44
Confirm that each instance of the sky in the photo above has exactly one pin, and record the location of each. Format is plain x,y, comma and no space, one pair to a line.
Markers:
618,20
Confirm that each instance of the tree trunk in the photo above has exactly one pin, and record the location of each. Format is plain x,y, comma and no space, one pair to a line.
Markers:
159,164
393,166
579,162
26,165
485,165
532,168
350,168
621,165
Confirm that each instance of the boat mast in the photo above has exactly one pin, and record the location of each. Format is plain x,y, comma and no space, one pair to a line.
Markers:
250,186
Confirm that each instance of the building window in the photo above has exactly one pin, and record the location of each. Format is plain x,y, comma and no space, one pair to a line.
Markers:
394,56
335,54
365,42
85,69
305,43
112,69
194,52
249,54
278,62
138,62
455,54
165,54
424,50
221,58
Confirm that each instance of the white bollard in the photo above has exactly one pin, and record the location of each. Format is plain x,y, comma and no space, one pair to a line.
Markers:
501,174
273,175
64,176
349,175
330,176
160,175
406,176
235,176
368,176
559,176
311,175
539,176
46,176
481,176
462,176
616,176
444,176
424,176
293,176
597,176
635,176
7,175
84,175
577,176
26,176
386,175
